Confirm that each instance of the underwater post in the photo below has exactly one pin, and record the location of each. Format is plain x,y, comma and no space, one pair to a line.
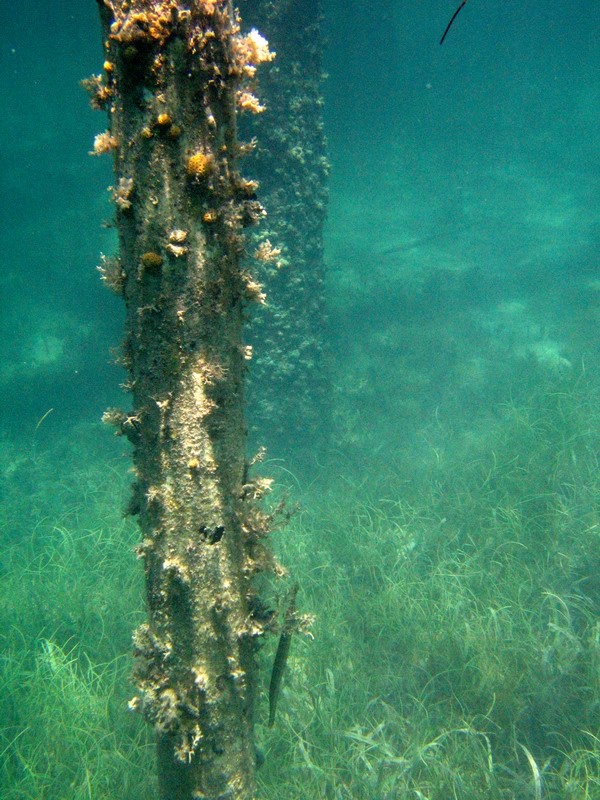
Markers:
175,75
290,384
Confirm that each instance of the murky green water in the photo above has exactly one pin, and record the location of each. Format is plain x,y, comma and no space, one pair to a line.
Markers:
448,533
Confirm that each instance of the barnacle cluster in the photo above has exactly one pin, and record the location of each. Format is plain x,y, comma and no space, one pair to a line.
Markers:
137,21
177,236
265,252
176,241
253,290
104,143
151,261
99,92
248,102
208,6
166,127
250,51
112,273
122,192
198,164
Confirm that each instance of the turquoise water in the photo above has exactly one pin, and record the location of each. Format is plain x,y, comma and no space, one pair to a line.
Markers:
450,527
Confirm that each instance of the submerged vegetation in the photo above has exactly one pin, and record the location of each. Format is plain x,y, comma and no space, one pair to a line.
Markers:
70,597
459,654
456,648
444,370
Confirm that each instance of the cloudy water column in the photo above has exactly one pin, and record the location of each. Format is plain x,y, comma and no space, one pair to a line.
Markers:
174,78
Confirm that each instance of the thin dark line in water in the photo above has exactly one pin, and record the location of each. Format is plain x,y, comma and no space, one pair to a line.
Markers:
454,16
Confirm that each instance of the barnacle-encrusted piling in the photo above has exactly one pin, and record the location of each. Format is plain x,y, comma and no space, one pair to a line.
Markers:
290,390
174,74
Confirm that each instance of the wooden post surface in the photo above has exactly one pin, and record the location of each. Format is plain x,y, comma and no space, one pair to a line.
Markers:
174,78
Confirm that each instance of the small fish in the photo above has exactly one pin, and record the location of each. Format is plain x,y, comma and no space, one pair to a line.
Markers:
281,656
454,16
